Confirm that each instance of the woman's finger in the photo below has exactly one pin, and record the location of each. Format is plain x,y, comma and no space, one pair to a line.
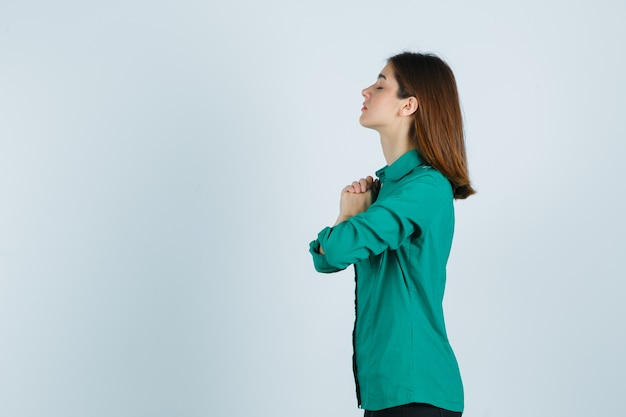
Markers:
363,185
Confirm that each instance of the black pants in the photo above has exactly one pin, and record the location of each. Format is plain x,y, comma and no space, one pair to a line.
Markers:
413,410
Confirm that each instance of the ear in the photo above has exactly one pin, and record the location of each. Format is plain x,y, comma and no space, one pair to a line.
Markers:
409,107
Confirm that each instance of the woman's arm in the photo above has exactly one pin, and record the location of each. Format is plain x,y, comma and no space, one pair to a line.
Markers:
356,198
404,210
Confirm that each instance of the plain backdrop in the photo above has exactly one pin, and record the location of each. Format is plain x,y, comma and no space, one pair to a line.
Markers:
164,165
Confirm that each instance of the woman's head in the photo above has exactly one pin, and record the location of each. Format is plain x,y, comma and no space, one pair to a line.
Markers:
437,126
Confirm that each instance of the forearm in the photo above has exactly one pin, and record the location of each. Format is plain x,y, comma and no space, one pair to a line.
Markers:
355,198
341,218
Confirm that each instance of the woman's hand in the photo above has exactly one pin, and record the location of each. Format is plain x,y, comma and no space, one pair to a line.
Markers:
357,197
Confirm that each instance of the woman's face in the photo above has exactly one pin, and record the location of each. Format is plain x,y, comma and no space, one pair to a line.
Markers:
382,106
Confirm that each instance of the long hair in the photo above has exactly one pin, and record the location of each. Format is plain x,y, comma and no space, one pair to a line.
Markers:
437,129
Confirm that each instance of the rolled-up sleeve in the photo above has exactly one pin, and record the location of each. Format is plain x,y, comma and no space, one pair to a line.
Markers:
321,261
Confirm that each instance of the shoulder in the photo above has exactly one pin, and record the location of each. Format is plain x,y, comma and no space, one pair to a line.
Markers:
420,194
426,179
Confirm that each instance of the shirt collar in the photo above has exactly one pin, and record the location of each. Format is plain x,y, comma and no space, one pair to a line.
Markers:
400,167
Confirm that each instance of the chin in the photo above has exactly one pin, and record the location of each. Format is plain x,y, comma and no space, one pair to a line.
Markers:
366,125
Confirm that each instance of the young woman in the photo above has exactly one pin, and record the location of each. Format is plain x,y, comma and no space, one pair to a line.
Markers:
397,232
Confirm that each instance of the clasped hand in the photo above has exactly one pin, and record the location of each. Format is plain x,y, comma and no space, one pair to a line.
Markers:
357,197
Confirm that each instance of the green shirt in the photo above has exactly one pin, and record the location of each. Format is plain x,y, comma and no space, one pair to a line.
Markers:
399,247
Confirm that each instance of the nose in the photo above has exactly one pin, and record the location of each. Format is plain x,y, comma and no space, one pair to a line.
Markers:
365,92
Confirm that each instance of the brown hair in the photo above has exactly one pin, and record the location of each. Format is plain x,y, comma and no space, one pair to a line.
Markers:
437,129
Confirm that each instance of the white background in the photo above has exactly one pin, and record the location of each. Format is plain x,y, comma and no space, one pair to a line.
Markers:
164,165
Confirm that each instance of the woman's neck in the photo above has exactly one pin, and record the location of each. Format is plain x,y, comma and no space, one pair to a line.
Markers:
395,147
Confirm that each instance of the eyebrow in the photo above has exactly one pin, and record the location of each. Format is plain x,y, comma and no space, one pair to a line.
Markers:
382,76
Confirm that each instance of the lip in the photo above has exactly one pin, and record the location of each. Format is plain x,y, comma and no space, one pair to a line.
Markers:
364,107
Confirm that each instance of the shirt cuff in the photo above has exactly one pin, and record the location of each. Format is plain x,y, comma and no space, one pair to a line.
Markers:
319,260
